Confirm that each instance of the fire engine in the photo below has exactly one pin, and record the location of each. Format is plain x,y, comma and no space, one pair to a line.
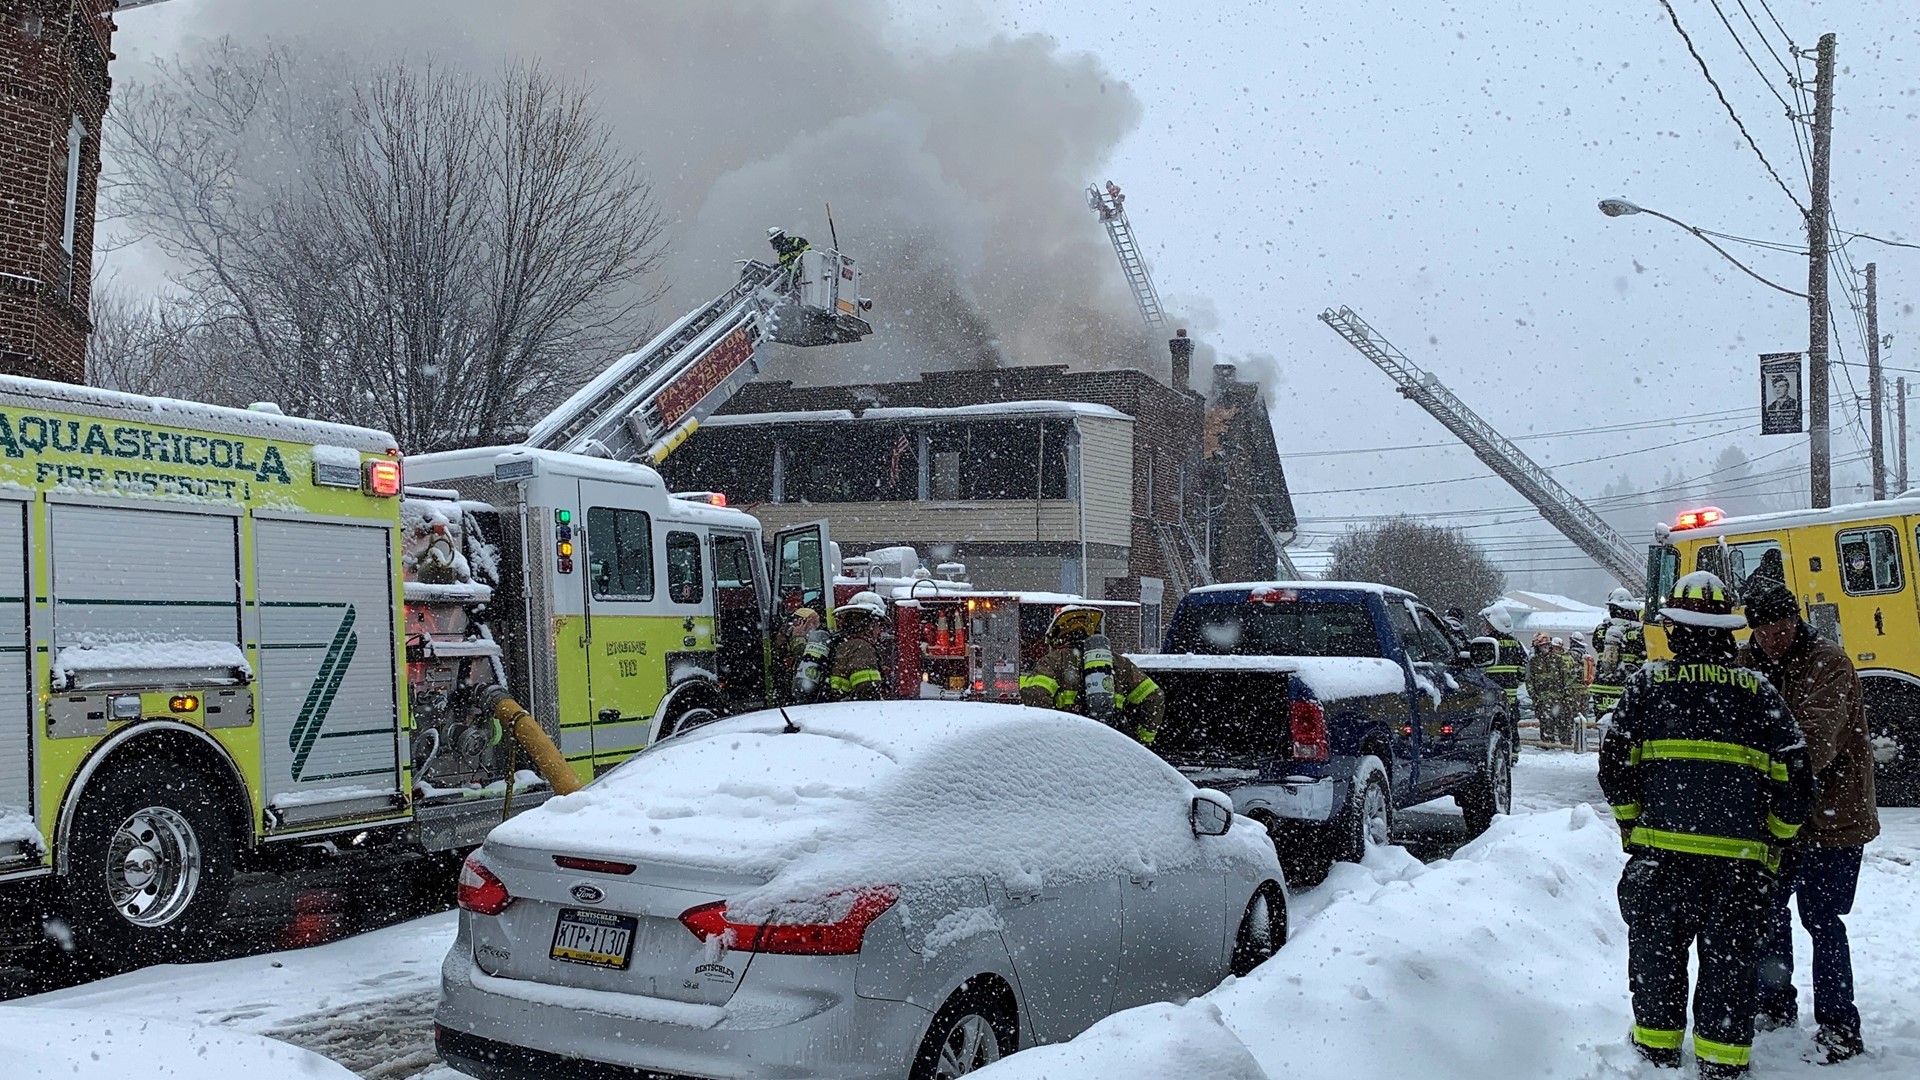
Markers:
229,632
1849,566
946,638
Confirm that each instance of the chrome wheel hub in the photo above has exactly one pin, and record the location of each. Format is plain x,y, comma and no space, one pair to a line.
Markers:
153,867
970,1045
1501,769
1374,814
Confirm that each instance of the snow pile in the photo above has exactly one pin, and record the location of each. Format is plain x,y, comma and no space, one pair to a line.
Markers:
889,793
148,656
1507,961
1332,678
44,1044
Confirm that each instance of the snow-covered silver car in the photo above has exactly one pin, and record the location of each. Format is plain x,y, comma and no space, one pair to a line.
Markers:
870,890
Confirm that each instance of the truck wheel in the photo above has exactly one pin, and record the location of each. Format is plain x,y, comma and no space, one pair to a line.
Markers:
1367,821
1490,792
150,865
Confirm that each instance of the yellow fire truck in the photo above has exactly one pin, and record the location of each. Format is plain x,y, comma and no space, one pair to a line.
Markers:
1852,568
223,631
227,632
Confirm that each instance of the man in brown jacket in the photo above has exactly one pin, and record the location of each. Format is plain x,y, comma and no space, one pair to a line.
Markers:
1817,679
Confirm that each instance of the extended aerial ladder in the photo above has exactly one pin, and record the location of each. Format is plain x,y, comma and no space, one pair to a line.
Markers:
1110,204
1560,507
646,403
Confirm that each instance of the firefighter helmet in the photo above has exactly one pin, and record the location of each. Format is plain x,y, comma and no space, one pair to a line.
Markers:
861,606
1701,599
1542,640
1498,617
1074,622
1623,604
775,230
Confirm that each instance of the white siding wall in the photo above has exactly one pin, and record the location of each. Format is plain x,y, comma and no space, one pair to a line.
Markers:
1055,520
1106,478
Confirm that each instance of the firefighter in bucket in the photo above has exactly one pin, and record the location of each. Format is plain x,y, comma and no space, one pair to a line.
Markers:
1080,674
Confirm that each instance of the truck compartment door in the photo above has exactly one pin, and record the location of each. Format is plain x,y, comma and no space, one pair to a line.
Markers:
328,671
17,831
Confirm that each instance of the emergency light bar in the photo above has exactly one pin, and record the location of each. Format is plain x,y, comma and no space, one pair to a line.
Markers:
1695,519
383,478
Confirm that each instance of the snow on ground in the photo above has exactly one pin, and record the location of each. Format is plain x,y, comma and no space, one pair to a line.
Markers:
366,1002
1506,960
45,1044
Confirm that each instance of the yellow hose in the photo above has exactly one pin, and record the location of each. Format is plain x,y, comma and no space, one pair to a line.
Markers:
547,758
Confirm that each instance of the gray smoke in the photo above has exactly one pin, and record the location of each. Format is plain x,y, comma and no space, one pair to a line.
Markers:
956,175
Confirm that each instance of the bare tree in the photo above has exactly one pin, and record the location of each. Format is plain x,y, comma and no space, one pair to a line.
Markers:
1441,566
421,251
138,346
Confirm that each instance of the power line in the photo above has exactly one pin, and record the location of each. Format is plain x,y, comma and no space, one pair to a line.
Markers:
1757,70
1725,415
1737,122
1851,237
1764,40
1489,476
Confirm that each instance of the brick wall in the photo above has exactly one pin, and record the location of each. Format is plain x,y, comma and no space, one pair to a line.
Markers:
53,66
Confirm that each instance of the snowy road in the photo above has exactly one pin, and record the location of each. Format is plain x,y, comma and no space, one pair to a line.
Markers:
1543,958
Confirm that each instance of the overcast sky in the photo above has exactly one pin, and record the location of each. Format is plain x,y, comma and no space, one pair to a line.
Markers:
1436,167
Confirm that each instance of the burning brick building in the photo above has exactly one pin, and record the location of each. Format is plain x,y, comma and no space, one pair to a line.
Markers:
53,86
1109,484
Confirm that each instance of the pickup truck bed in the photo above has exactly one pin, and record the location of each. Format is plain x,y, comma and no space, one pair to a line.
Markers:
1299,740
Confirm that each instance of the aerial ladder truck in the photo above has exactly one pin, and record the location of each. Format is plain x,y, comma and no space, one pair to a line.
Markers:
646,403
1109,204
1562,508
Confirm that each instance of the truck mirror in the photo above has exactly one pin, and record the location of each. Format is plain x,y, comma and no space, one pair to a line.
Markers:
1481,652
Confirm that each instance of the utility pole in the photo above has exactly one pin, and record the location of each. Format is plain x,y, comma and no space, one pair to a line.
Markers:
1819,458
1873,395
1900,435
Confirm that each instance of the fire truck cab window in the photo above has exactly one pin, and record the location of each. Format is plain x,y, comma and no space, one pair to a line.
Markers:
619,554
1753,565
685,582
1870,561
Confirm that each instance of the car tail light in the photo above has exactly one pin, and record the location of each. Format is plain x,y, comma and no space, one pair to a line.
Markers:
593,866
481,892
840,935
1309,723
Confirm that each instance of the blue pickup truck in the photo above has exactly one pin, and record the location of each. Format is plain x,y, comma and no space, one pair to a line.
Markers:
1324,707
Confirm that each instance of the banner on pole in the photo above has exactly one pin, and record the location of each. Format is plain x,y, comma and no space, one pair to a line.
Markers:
1780,397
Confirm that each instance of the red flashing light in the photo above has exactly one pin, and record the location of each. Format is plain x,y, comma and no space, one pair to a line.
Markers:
840,937
383,478
718,498
593,866
481,892
1446,729
1308,720
1274,596
1694,519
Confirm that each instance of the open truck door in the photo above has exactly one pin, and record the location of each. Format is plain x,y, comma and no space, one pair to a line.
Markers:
801,576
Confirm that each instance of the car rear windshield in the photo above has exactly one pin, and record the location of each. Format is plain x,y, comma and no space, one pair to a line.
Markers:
1287,628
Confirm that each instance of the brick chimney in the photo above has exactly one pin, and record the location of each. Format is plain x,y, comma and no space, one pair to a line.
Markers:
1181,346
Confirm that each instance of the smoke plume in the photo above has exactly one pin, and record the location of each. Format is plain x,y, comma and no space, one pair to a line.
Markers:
956,175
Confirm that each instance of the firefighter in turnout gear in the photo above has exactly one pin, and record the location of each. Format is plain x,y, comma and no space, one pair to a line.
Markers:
788,248
1081,674
1707,774
1509,667
1621,644
853,670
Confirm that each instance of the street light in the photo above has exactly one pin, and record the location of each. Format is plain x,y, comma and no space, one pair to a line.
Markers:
1614,208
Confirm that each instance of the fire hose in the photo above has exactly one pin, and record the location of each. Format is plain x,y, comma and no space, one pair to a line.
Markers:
548,761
